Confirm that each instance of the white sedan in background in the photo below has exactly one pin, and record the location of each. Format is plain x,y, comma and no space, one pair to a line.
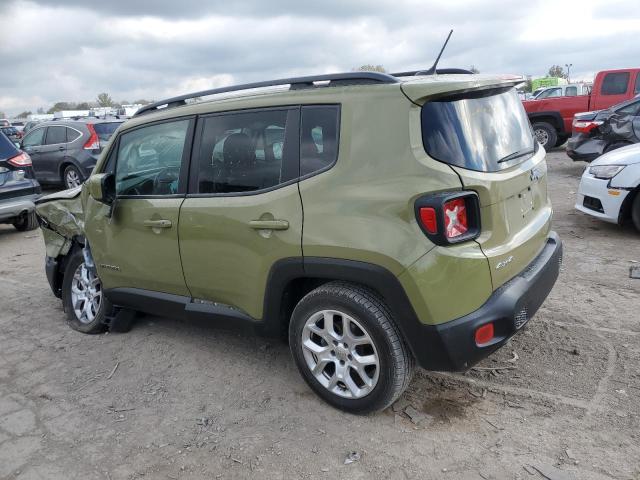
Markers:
610,186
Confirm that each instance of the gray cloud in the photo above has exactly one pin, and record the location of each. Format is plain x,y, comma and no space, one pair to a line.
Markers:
152,49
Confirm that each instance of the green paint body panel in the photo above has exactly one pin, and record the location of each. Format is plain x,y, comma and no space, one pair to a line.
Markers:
224,259
361,209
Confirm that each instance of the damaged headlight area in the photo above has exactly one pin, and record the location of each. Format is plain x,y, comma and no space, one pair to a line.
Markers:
605,172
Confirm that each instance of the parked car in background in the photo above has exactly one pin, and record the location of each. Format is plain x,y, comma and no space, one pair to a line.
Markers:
18,187
552,117
29,125
595,133
570,90
65,152
12,133
4,122
18,124
610,186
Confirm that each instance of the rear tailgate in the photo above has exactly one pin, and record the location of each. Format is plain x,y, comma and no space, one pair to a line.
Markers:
482,132
515,214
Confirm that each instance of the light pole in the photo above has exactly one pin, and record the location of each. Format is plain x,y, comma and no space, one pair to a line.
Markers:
568,65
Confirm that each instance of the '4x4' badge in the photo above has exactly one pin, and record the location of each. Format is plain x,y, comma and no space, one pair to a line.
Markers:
535,174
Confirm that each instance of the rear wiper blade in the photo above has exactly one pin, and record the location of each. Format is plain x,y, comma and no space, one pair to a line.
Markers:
519,153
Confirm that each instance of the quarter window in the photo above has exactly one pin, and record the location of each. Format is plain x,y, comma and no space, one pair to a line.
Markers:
244,152
149,159
636,88
34,138
615,83
318,138
72,135
56,135
571,91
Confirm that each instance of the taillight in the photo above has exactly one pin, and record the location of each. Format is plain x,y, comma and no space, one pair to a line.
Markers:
20,160
94,142
455,218
449,217
585,126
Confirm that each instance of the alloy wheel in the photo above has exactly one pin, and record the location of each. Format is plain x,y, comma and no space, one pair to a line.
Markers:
86,294
542,136
72,178
340,354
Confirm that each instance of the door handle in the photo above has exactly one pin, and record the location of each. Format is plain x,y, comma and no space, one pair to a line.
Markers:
60,148
269,224
158,223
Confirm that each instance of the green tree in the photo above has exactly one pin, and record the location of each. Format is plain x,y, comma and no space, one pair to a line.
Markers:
557,71
104,100
61,106
83,106
40,110
24,114
142,101
370,68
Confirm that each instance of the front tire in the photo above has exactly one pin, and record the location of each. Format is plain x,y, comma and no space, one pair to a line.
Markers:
71,177
82,296
546,134
348,349
635,212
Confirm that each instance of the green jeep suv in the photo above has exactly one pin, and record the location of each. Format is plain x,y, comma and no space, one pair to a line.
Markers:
377,220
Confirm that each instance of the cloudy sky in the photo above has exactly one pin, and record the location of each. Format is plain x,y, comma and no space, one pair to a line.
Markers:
71,50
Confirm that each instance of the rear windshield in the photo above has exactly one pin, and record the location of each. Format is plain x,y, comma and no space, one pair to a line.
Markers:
7,148
105,130
484,131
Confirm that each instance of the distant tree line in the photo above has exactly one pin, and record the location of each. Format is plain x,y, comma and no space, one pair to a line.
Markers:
102,100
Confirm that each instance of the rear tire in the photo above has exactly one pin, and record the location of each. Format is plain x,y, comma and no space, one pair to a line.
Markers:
341,331
82,296
71,177
635,211
546,134
26,221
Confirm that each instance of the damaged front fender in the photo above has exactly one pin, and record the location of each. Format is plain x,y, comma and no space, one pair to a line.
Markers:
61,217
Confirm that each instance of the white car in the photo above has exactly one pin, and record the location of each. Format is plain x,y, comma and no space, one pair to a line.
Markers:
610,186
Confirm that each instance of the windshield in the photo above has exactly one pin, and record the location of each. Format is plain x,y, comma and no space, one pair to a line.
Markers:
105,130
484,131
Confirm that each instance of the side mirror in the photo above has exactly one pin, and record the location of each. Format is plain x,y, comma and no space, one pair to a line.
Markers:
102,187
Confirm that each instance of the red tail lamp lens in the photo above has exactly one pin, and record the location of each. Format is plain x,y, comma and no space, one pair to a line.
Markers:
484,334
20,160
429,220
455,218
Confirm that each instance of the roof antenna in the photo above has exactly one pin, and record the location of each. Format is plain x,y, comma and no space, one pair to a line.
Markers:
433,70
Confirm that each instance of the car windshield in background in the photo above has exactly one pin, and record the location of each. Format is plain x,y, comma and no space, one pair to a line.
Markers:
484,131
105,130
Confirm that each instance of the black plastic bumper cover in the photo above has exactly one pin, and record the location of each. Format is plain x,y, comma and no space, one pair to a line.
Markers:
451,346
51,268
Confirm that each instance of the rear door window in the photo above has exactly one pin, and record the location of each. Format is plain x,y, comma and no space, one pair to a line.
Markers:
636,88
56,135
571,91
246,152
484,131
615,83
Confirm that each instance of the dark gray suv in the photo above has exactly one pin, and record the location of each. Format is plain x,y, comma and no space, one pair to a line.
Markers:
65,152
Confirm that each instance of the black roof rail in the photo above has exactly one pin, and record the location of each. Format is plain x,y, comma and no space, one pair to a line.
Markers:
439,71
348,78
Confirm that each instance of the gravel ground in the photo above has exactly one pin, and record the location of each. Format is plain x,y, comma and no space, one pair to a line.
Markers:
182,400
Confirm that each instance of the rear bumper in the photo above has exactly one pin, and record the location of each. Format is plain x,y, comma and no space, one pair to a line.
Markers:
12,207
451,346
584,149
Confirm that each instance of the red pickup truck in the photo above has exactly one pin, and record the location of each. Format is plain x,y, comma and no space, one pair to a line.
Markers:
551,117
